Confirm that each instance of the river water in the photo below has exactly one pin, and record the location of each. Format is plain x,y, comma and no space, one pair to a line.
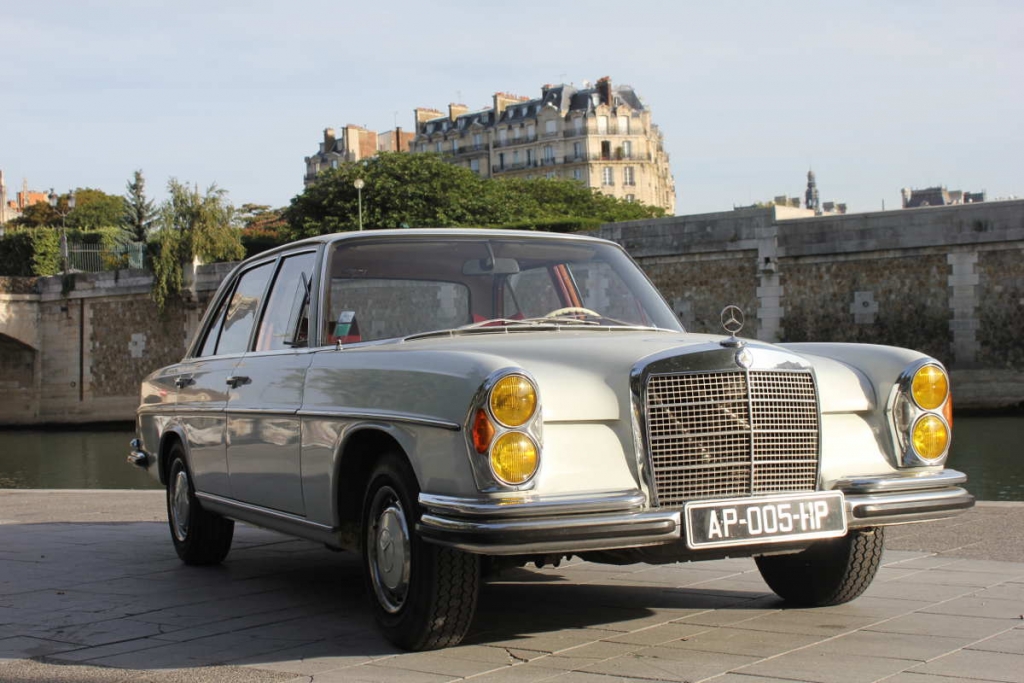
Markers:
988,449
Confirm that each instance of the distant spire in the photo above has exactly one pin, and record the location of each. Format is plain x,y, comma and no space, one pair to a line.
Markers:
811,196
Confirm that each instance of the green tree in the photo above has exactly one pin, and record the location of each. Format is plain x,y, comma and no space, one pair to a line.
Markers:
95,209
140,213
191,226
422,190
262,227
401,189
36,216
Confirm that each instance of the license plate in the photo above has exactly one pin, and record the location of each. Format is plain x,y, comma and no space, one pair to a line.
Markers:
775,519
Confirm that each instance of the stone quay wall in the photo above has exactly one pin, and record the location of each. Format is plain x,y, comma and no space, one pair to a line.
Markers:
78,355
948,281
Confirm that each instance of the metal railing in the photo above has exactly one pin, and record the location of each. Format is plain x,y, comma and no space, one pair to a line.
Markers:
93,258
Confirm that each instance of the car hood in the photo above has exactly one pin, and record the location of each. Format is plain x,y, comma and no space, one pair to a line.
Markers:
584,375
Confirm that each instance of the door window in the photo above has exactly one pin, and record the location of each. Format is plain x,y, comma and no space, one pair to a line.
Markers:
285,323
242,310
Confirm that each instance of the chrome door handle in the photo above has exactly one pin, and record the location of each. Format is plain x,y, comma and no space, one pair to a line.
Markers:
237,380
183,381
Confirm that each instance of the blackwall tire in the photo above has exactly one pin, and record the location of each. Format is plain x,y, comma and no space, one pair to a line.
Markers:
829,572
423,596
200,537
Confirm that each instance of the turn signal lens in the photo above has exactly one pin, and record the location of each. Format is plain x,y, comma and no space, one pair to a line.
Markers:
514,458
482,431
930,387
513,400
931,437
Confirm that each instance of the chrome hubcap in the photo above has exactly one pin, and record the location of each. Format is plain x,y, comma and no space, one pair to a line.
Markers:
180,505
388,550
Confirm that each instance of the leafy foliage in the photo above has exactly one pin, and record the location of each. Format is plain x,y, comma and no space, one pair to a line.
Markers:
422,190
139,214
36,216
262,228
95,209
30,252
192,225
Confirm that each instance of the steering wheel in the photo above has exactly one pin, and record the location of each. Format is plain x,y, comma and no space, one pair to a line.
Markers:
570,310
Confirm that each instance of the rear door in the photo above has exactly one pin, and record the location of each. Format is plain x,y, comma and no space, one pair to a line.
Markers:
205,380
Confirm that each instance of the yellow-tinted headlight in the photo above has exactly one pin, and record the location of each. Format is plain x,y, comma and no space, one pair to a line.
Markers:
513,400
514,458
930,387
931,437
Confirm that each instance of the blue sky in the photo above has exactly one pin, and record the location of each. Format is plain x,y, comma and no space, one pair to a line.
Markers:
874,96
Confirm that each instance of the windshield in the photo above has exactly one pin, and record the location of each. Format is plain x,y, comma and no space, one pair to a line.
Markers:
386,288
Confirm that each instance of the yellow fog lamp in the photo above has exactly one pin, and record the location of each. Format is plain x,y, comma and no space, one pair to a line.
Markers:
931,437
514,458
513,400
930,387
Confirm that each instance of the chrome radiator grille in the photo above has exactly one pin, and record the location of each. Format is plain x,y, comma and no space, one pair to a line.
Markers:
727,434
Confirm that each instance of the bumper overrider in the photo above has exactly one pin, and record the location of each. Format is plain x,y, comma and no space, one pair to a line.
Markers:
527,524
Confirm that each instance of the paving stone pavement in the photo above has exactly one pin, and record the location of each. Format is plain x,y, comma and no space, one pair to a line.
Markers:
91,591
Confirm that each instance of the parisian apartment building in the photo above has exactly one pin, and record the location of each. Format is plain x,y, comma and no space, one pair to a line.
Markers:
352,144
599,134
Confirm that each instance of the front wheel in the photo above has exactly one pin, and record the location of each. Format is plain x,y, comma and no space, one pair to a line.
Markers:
423,595
200,537
827,573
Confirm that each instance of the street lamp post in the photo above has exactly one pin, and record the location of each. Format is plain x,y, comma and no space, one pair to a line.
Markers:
359,185
55,204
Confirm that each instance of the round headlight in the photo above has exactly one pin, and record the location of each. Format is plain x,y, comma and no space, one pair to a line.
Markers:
930,387
514,458
513,400
931,437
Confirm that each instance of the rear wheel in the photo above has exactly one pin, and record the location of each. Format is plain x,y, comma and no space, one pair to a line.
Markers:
827,573
200,537
423,595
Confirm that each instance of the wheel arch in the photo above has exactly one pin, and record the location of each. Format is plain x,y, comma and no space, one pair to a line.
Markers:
171,435
357,456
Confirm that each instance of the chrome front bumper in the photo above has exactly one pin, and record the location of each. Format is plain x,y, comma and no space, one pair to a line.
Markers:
526,524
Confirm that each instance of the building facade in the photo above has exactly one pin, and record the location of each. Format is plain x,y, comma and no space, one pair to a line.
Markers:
938,196
601,136
13,208
354,143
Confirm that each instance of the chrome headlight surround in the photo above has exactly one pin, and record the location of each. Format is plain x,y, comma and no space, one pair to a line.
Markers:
480,419
907,416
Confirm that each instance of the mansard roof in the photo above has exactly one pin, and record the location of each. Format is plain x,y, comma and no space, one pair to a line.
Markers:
564,98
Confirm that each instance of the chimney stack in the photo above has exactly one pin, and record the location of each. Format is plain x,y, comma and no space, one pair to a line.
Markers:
604,90
501,102
456,110
329,140
424,114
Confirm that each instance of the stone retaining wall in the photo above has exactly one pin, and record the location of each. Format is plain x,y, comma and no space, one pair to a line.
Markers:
948,281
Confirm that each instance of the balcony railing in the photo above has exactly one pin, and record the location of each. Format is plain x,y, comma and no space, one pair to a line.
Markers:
521,141
614,156
465,150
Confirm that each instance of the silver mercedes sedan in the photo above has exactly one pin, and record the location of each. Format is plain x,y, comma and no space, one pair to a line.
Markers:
445,400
